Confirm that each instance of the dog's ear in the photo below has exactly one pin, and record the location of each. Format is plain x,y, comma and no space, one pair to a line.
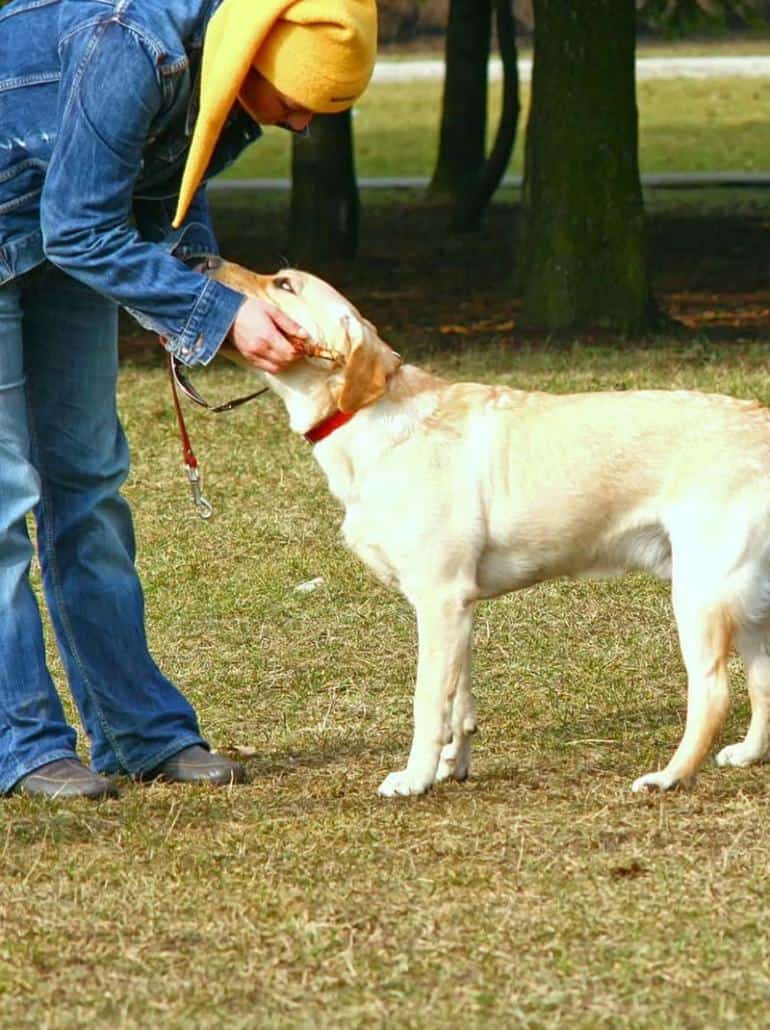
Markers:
369,363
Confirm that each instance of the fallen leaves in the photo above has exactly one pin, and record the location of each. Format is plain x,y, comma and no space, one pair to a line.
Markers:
485,325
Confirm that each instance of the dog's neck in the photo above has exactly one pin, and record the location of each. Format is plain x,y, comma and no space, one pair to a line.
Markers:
328,425
352,453
408,381
411,396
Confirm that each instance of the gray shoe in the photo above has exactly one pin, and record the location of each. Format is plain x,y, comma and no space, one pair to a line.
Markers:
197,765
65,778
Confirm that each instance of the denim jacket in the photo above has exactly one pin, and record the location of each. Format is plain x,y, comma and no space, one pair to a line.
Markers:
97,105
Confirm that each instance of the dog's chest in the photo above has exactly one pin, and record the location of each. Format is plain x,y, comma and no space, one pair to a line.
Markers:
357,530
363,543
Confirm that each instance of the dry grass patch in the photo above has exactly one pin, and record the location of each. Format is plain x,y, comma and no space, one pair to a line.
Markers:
540,893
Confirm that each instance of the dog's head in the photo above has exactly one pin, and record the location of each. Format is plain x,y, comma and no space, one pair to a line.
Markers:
345,365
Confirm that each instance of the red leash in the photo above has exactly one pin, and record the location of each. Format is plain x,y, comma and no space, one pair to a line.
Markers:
191,467
178,381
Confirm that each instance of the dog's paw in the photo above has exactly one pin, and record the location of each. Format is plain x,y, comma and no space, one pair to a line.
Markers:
741,755
455,762
403,784
659,781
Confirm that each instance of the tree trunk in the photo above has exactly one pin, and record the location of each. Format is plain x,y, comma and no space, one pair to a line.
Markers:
470,206
464,108
583,255
324,194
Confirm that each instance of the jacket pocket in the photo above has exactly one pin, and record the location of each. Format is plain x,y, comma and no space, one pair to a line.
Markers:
21,184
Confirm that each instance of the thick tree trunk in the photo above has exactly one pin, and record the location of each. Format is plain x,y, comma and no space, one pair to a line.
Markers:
324,194
583,255
464,109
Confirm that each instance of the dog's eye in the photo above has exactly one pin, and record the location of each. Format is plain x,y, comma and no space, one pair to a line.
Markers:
283,283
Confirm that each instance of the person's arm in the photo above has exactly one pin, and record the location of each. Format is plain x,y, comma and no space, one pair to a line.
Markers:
110,91
259,327
194,238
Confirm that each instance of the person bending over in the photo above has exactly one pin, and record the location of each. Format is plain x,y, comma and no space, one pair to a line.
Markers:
113,115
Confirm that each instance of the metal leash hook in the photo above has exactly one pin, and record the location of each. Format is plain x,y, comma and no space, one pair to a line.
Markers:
202,506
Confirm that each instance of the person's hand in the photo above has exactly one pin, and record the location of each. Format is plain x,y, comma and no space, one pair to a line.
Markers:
258,333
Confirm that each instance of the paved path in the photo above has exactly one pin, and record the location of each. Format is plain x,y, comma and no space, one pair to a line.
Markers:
678,180
646,68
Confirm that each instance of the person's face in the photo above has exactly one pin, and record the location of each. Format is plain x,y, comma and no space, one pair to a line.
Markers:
269,106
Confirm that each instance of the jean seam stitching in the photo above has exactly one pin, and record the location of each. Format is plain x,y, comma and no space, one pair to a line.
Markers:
47,505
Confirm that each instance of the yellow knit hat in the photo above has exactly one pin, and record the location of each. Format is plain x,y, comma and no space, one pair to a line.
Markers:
320,53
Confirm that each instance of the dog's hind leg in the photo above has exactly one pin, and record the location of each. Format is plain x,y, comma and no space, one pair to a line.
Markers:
754,648
705,636
445,627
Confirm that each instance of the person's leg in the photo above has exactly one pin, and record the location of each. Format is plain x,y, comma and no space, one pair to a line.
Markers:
134,716
33,729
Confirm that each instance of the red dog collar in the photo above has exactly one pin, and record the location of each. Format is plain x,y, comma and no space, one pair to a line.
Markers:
327,425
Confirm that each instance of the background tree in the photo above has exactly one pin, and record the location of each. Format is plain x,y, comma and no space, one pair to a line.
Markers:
582,259
463,174
324,193
679,17
464,104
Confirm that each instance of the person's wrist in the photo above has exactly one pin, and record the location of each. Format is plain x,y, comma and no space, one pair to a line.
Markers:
231,331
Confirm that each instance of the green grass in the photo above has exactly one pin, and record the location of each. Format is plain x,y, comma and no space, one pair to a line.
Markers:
685,125
540,893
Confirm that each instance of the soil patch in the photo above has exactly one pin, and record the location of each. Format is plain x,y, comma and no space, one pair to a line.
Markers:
426,289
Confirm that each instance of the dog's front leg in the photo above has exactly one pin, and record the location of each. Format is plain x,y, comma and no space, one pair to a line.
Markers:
444,627
455,761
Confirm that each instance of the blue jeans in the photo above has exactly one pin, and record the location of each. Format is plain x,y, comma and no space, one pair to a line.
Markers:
63,455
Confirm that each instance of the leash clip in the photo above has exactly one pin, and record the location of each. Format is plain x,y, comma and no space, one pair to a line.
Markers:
202,506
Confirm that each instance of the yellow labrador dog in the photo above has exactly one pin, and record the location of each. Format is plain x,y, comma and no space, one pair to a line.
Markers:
456,492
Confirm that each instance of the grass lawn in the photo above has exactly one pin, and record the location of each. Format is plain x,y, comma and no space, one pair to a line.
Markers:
685,125
540,893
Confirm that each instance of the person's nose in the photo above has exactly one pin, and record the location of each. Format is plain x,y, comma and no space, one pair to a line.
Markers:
299,120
